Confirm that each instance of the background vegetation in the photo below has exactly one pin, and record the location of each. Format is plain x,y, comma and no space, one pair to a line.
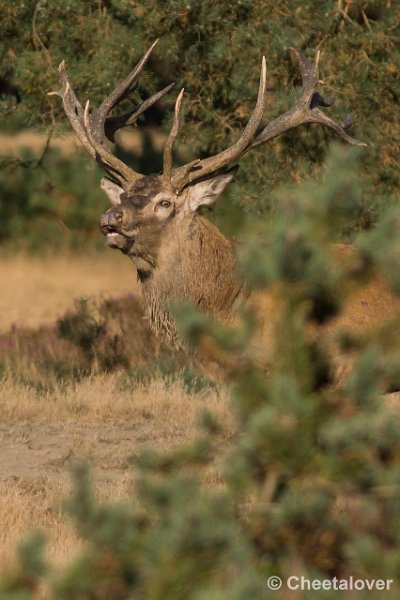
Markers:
214,52
308,475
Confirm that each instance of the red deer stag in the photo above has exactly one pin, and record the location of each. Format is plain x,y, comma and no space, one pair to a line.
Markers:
154,219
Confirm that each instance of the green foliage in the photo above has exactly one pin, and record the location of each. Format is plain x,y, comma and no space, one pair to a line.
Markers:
310,478
24,581
129,552
213,50
53,205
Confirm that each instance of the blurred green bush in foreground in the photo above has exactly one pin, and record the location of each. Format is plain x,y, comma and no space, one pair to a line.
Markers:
310,480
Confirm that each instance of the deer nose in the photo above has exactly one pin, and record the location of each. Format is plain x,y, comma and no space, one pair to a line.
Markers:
111,219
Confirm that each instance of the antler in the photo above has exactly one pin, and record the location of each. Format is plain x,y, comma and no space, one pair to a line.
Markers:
169,144
305,110
92,130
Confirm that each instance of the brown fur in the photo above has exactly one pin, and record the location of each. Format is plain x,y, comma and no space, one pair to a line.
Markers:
180,255
198,264
143,190
194,263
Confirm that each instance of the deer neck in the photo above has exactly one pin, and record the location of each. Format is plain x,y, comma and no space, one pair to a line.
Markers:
196,263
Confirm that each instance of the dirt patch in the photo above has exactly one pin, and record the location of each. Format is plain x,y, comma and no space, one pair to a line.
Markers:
33,450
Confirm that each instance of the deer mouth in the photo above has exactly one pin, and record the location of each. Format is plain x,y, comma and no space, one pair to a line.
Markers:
115,239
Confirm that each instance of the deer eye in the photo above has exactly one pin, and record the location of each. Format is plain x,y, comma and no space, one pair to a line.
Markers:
163,204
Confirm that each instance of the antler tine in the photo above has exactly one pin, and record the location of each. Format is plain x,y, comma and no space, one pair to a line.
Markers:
203,167
309,75
112,124
169,144
305,109
92,129
120,92
118,170
73,108
81,124
319,117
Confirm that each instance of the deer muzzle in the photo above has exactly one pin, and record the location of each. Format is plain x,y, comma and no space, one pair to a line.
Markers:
112,228
110,222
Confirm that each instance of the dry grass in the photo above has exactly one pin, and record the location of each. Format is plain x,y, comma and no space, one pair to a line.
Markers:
41,434
132,141
106,418
34,505
39,290
103,399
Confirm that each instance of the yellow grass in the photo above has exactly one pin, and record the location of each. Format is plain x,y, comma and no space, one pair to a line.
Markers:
103,418
28,506
41,435
103,399
36,291
132,141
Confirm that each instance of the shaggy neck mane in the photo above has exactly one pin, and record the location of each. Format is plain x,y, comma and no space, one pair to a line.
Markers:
196,263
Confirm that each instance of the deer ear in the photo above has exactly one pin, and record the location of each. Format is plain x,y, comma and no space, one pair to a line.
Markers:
112,190
206,192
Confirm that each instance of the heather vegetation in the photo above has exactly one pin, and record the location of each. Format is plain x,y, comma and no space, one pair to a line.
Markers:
305,474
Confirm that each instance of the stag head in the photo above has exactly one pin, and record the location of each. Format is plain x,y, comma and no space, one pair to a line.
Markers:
151,212
148,209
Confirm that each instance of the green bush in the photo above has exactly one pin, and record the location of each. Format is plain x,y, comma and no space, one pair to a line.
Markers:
56,204
214,51
310,479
